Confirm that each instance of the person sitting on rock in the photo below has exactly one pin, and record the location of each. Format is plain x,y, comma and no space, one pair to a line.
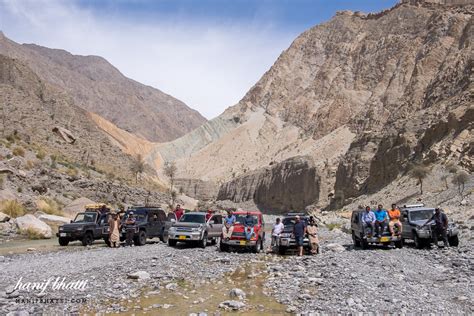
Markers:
381,218
368,220
130,229
394,215
178,212
228,228
249,224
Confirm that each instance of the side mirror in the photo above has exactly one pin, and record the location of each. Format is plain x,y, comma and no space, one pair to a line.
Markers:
70,221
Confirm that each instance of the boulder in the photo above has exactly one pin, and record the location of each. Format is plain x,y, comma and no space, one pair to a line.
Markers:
139,275
335,247
53,219
237,293
234,305
4,217
31,222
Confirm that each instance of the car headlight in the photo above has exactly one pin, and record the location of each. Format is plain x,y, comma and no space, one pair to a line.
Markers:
196,229
172,229
60,228
79,228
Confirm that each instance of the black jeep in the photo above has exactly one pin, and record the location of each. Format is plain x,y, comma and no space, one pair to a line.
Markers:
86,227
150,222
414,217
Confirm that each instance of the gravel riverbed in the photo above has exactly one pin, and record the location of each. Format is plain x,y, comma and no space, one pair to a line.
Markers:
340,279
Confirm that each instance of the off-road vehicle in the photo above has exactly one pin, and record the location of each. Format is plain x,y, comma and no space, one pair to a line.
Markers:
150,222
414,216
86,227
362,238
194,228
238,240
287,239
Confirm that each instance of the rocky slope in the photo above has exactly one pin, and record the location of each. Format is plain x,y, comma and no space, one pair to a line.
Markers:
365,96
97,86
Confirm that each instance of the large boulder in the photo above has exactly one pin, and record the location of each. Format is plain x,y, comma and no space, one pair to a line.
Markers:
4,217
30,222
76,206
52,219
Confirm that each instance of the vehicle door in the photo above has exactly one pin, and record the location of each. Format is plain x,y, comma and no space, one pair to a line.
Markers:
161,222
170,220
102,229
152,223
406,228
355,223
215,226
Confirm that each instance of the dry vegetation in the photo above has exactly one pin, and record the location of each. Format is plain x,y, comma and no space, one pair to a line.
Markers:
12,208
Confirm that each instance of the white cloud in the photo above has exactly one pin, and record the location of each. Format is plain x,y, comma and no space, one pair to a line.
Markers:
208,66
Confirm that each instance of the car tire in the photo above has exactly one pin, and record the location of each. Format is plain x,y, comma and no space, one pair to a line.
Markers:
258,246
172,242
282,250
63,241
88,239
363,243
107,241
140,240
355,240
164,237
419,243
453,241
203,242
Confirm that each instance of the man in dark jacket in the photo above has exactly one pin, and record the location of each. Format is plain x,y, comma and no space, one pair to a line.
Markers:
299,231
441,221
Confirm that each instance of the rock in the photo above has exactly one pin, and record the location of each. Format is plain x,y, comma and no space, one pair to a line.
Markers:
139,275
237,293
30,222
31,249
464,202
54,219
171,286
18,313
4,217
350,302
335,247
234,305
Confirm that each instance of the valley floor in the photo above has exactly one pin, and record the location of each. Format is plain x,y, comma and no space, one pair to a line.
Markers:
185,280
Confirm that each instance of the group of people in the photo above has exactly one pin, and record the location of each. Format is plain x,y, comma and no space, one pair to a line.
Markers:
229,222
376,221
301,229
115,224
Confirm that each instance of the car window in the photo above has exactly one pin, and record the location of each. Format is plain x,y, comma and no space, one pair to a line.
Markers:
240,218
355,217
171,216
104,219
217,219
289,222
85,218
193,218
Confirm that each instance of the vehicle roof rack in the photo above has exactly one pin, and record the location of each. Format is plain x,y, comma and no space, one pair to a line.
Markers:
296,213
413,205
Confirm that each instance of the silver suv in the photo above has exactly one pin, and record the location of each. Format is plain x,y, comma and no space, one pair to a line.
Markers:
193,227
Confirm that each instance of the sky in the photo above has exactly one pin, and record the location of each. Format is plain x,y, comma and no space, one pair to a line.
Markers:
207,53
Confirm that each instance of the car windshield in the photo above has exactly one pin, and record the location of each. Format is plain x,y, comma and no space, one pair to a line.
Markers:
289,222
240,218
139,216
193,218
421,215
85,218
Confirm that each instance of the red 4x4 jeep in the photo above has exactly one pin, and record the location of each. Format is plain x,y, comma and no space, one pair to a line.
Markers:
238,240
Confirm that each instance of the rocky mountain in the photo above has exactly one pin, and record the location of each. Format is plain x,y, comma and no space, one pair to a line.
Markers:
97,86
359,99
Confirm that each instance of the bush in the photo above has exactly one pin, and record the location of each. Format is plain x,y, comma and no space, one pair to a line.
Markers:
30,233
12,208
49,206
41,154
18,151
72,172
332,226
30,164
2,180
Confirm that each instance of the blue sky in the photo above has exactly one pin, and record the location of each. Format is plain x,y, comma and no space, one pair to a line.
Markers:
207,53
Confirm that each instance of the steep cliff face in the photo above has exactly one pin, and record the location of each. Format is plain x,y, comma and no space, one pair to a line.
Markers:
364,96
290,185
97,86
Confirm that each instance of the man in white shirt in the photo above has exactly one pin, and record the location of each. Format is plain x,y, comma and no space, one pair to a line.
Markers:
276,231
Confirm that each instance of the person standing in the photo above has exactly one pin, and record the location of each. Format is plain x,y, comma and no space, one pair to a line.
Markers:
441,222
312,231
381,218
228,228
114,230
276,232
130,228
178,212
368,219
299,231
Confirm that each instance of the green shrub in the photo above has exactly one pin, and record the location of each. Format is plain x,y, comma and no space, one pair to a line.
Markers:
41,154
12,208
30,233
332,226
18,151
49,206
